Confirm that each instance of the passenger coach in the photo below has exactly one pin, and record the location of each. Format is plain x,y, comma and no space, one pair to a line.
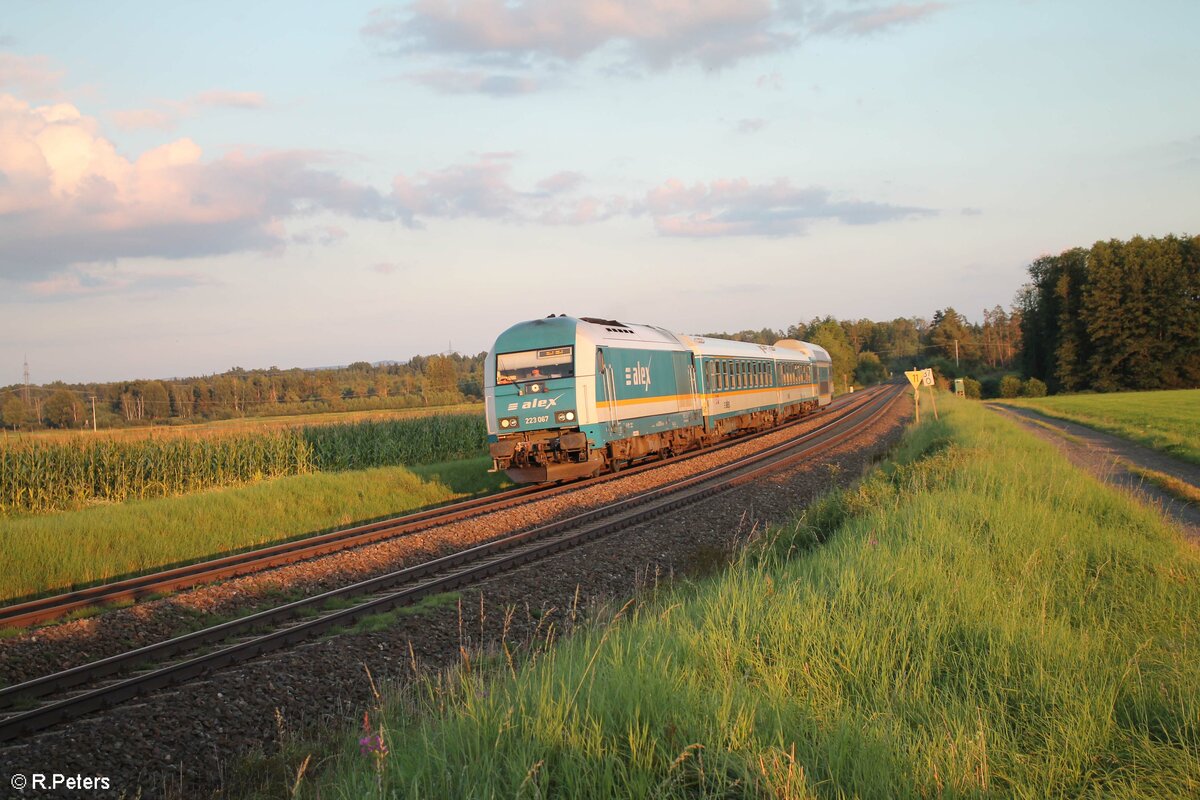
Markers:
568,398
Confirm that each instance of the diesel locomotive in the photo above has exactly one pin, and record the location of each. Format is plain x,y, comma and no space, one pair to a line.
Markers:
569,398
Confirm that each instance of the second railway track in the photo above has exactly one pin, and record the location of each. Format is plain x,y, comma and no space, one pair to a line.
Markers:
46,609
394,589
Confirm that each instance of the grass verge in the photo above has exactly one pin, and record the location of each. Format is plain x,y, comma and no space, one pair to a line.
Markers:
982,619
75,548
1168,483
1168,421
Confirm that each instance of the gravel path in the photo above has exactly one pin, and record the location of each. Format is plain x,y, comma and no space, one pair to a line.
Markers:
1107,457
193,741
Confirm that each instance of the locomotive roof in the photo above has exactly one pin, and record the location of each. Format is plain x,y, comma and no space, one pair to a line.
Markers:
562,329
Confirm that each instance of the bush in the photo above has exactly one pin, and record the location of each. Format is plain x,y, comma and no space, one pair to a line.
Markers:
1033,388
1010,386
973,388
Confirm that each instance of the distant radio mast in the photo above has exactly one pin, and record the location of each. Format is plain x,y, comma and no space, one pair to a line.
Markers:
27,379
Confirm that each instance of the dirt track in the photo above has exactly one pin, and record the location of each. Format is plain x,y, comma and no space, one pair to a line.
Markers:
1107,457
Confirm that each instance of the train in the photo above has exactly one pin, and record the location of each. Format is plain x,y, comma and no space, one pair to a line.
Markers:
569,398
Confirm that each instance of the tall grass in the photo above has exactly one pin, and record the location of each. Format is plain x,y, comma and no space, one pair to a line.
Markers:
52,476
1168,421
981,619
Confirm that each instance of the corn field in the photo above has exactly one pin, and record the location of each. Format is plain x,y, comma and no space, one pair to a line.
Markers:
42,477
420,440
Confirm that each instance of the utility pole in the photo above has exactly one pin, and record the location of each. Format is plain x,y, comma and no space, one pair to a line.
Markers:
93,413
26,380
956,352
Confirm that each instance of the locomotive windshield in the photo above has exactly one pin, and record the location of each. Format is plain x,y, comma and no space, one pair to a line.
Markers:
534,365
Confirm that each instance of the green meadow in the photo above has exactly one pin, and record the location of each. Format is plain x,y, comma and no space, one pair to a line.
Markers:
1168,421
975,619
53,552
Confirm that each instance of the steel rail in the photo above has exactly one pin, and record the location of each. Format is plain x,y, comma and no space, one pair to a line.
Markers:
45,609
116,664
526,546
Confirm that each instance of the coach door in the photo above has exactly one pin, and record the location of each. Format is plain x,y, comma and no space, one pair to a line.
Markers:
607,387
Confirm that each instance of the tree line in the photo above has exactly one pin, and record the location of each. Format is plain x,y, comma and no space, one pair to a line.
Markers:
865,352
422,381
1119,315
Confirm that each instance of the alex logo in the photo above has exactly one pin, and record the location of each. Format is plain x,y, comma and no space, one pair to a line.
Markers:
638,376
541,402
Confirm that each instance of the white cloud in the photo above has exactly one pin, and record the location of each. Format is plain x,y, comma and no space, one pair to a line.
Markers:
656,33
167,114
324,235
30,76
530,36
67,196
454,81
736,207
221,98
874,19
484,190
94,280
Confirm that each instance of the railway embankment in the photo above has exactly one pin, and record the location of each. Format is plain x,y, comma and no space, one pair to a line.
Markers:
976,617
192,741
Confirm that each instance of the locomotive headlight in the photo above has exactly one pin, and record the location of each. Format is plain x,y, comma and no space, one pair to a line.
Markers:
508,422
564,416
535,387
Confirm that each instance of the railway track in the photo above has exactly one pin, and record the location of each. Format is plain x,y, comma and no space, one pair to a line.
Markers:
47,609
62,698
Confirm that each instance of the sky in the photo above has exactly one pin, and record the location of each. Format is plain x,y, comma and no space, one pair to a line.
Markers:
188,187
